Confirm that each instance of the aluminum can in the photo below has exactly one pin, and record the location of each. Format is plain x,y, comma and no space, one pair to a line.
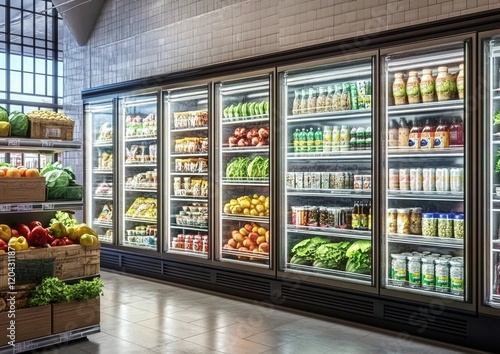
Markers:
442,180
393,179
457,179
429,179
315,180
367,182
299,180
404,179
290,180
358,182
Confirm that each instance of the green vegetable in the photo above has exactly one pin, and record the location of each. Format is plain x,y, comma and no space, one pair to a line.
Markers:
49,291
259,167
496,118
306,249
86,290
237,110
300,260
266,108
237,168
244,110
252,109
230,111
18,124
65,218
262,108
359,254
226,113
4,116
331,255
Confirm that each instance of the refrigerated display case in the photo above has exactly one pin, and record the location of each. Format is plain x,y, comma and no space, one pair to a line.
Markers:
243,109
425,182
100,177
138,171
187,160
491,247
326,179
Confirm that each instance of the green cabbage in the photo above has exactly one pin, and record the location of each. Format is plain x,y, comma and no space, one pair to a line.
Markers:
18,124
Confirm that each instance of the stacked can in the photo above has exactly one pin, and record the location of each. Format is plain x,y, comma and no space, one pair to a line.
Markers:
442,179
429,179
457,180
416,179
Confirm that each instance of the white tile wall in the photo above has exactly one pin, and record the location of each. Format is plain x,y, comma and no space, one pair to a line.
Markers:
135,39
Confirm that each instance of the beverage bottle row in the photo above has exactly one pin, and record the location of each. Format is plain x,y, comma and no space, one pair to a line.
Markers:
424,133
362,215
326,139
338,97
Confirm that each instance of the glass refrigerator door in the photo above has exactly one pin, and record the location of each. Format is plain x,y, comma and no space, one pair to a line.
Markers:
327,171
492,122
243,112
423,161
99,172
188,213
138,170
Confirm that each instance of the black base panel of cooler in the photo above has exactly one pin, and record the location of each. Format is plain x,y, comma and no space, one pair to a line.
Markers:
426,320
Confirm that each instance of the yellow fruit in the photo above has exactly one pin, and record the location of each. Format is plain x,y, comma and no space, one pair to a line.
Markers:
255,201
246,211
261,231
254,212
260,208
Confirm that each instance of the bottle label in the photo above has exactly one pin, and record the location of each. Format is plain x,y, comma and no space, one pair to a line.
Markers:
427,141
441,139
413,141
355,221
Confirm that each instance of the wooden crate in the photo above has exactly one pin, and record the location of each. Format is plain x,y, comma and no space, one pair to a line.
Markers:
31,323
70,262
22,189
40,128
67,316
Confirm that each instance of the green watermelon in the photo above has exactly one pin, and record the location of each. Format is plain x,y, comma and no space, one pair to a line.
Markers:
4,116
18,124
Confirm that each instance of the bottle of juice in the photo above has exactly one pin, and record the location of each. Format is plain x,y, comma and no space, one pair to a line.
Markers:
360,138
427,136
310,140
403,133
392,139
363,216
369,215
303,140
415,135
368,138
336,106
303,102
327,138
311,102
318,140
355,216
344,138
352,142
456,132
321,100
295,139
329,99
442,135
296,103
336,138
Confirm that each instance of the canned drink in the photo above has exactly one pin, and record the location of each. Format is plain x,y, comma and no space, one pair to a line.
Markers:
307,179
457,277
312,216
325,180
416,179
367,182
299,180
414,271
398,269
339,180
404,179
323,217
457,179
429,179
294,215
393,179
351,180
428,273
301,217
358,182
442,180
442,275
315,180
290,180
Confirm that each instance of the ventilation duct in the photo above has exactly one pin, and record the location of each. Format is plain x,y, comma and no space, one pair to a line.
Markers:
80,16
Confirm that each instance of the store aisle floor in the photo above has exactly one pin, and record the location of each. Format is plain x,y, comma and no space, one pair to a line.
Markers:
141,316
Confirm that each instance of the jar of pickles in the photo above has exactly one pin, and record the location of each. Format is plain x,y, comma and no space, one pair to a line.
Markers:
458,226
416,221
403,221
392,221
445,225
429,224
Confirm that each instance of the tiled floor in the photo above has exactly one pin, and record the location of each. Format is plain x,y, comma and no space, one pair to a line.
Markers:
140,316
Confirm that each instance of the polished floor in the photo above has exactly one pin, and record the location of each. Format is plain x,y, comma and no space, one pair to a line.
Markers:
140,316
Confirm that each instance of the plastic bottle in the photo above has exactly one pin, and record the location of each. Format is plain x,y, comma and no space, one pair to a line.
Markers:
456,132
403,133
336,138
321,100
327,138
360,138
296,142
303,102
344,138
442,135
318,140
415,135
392,139
296,103
363,216
311,101
369,215
310,140
355,216
352,142
303,140
329,99
368,138
427,136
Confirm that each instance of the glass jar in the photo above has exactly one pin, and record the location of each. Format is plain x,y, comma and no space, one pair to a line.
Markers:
416,221
399,89
415,271
443,84
442,270
403,221
427,86
457,277
428,273
413,88
392,221
445,225
429,224
398,269
458,226
460,81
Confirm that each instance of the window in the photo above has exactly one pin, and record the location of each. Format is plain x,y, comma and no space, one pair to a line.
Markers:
31,65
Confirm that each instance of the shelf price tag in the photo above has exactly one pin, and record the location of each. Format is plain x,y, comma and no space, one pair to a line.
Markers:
5,208
47,143
25,207
48,206
14,142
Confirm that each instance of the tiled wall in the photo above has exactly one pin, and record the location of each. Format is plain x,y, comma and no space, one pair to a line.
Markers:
138,38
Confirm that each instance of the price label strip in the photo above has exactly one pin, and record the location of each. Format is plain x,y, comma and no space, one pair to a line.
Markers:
48,206
47,143
25,207
5,208
14,142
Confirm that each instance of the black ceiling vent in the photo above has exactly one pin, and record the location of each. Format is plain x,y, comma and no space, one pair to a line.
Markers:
336,302
243,283
196,274
427,320
149,265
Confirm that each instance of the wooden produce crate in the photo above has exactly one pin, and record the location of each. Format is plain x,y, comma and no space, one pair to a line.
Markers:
68,316
40,128
22,189
69,262
32,322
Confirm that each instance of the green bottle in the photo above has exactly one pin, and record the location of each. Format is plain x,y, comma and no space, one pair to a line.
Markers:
318,140
310,141
303,140
296,140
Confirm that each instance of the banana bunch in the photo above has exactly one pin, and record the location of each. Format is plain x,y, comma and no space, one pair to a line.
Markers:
48,115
